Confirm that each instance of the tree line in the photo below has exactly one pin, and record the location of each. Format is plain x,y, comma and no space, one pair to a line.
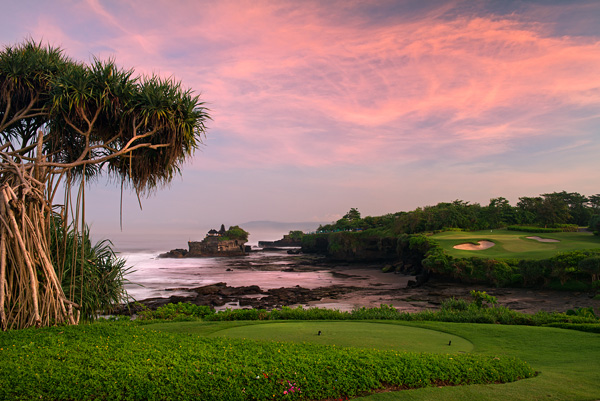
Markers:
554,209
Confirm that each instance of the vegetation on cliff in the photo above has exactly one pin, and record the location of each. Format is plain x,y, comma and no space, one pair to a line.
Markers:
413,241
235,233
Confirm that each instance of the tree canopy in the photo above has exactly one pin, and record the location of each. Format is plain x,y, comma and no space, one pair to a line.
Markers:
63,122
550,210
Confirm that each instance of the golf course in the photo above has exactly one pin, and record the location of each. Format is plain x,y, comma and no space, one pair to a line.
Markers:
293,359
515,244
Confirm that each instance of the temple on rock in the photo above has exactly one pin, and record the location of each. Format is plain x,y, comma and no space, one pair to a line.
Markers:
230,242
216,244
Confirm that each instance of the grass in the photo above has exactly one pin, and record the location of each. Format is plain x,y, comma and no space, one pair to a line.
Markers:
127,361
363,335
514,244
567,360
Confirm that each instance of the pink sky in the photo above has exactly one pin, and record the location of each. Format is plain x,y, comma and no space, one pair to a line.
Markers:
322,106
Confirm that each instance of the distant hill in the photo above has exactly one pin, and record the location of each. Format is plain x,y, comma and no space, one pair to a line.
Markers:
280,226
265,230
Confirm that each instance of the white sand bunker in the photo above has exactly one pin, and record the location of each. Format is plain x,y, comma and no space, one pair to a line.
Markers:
540,239
472,247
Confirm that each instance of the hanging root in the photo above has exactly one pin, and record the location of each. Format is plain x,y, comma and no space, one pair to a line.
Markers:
30,289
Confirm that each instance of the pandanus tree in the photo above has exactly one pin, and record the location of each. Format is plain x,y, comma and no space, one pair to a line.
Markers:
62,124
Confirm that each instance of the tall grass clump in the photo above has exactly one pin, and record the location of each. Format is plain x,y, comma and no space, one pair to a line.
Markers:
91,275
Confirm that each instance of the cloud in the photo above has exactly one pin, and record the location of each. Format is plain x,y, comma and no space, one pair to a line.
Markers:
320,84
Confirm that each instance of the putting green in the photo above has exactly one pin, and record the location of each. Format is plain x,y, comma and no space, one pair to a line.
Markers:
353,334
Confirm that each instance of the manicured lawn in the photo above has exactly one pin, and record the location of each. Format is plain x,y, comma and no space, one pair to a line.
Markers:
126,361
514,244
568,361
346,334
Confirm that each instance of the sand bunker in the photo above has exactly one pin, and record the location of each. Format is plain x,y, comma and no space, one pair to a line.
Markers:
472,247
543,239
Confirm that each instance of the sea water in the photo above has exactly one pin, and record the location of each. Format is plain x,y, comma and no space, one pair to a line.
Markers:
151,276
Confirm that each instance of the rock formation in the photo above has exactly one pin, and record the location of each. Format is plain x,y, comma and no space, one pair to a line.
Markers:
214,244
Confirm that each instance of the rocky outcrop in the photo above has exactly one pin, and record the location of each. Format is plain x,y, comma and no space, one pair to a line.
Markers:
216,246
220,294
174,253
213,245
286,241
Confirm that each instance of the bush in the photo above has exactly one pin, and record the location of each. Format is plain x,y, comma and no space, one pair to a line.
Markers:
179,311
530,229
591,265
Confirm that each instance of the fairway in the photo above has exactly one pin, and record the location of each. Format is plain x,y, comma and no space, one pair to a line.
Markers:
515,244
353,334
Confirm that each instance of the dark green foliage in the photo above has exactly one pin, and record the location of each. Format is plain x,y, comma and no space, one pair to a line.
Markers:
91,275
483,309
585,312
179,311
236,232
594,224
296,235
531,229
586,327
563,210
567,228
482,299
591,265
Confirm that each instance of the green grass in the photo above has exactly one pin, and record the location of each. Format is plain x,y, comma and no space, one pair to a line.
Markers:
514,244
568,361
126,361
354,334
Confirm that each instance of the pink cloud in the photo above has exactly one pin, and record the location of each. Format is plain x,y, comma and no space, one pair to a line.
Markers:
296,84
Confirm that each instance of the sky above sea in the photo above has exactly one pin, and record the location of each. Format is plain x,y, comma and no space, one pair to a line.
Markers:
322,106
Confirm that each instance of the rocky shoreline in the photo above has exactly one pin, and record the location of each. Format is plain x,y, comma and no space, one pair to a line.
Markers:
365,285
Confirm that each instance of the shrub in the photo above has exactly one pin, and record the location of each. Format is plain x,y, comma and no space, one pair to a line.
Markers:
530,229
179,311
479,297
592,266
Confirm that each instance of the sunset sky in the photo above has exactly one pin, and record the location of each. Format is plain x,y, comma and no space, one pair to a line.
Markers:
320,106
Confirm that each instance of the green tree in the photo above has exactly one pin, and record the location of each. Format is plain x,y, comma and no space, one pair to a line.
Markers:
500,213
62,123
529,209
594,201
236,232
352,215
296,235
554,209
594,224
